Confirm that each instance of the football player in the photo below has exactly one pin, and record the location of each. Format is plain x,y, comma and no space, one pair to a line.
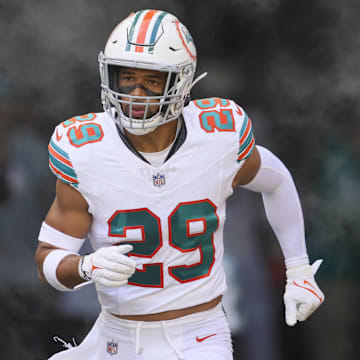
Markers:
146,182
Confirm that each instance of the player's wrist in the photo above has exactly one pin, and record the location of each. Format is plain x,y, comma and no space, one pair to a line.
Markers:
299,272
84,267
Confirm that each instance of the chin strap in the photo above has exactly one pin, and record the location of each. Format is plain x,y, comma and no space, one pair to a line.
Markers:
200,77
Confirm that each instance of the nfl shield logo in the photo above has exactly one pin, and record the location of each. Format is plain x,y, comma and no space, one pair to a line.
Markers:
159,179
112,347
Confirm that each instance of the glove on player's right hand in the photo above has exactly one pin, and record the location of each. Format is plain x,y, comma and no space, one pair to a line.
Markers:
108,266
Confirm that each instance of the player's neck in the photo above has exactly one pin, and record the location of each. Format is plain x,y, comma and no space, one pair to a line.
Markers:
157,140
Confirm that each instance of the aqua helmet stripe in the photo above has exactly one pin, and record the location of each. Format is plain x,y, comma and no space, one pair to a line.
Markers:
132,29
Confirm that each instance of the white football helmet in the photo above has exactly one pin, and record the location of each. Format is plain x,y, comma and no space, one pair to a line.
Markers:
155,40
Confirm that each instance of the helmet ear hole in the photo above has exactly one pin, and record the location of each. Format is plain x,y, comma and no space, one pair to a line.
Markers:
114,71
172,83
187,100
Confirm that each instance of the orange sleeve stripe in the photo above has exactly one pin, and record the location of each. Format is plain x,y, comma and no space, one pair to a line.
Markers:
246,133
247,151
59,157
62,175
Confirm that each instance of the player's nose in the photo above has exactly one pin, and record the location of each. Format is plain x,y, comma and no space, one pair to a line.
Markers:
138,90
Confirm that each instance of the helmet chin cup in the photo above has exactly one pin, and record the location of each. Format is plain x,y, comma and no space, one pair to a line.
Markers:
135,126
139,132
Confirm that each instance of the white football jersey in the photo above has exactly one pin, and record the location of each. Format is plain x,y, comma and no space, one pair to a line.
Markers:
173,215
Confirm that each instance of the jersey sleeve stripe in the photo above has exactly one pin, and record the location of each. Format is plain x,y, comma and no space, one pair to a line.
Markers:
245,134
247,140
59,156
247,152
62,167
59,150
66,179
60,164
244,126
245,144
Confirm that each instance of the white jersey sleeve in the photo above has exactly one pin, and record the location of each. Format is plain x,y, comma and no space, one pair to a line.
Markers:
70,152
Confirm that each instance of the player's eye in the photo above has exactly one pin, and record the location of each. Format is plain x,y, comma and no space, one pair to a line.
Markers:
151,82
127,78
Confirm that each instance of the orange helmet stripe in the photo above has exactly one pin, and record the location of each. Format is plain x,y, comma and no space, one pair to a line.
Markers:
143,29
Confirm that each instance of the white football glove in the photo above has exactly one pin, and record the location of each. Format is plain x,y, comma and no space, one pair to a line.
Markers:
302,295
108,266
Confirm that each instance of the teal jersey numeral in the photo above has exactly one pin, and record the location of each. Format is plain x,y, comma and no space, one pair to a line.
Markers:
151,242
204,213
182,237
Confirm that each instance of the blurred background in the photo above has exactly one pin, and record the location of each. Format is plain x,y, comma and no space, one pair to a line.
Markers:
295,68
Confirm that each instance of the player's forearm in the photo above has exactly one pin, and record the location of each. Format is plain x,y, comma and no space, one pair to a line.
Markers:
282,206
284,213
66,272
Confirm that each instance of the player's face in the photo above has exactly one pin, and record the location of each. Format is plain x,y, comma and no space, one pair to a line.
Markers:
141,83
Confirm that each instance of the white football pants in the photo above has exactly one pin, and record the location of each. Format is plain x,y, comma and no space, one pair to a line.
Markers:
201,336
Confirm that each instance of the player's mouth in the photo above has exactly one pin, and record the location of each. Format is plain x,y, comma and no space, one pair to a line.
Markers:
138,111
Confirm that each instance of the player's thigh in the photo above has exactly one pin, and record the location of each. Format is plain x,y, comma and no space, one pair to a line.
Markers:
210,353
210,339
219,347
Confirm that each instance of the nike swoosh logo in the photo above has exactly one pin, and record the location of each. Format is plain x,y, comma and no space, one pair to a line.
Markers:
238,110
94,268
200,339
311,290
58,137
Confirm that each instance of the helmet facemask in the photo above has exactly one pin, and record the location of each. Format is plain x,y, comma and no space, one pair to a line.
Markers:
170,103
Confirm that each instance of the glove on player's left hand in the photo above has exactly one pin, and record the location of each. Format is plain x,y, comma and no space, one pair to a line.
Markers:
302,295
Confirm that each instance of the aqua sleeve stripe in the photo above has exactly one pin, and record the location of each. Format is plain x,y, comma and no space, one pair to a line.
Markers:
63,177
247,152
245,129
58,156
245,144
247,140
62,167
59,150
60,164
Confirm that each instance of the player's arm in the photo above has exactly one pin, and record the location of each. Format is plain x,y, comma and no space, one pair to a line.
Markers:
66,225
248,170
61,237
264,172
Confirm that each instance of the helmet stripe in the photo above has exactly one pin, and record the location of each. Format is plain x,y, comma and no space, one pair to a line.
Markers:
156,28
143,29
132,29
